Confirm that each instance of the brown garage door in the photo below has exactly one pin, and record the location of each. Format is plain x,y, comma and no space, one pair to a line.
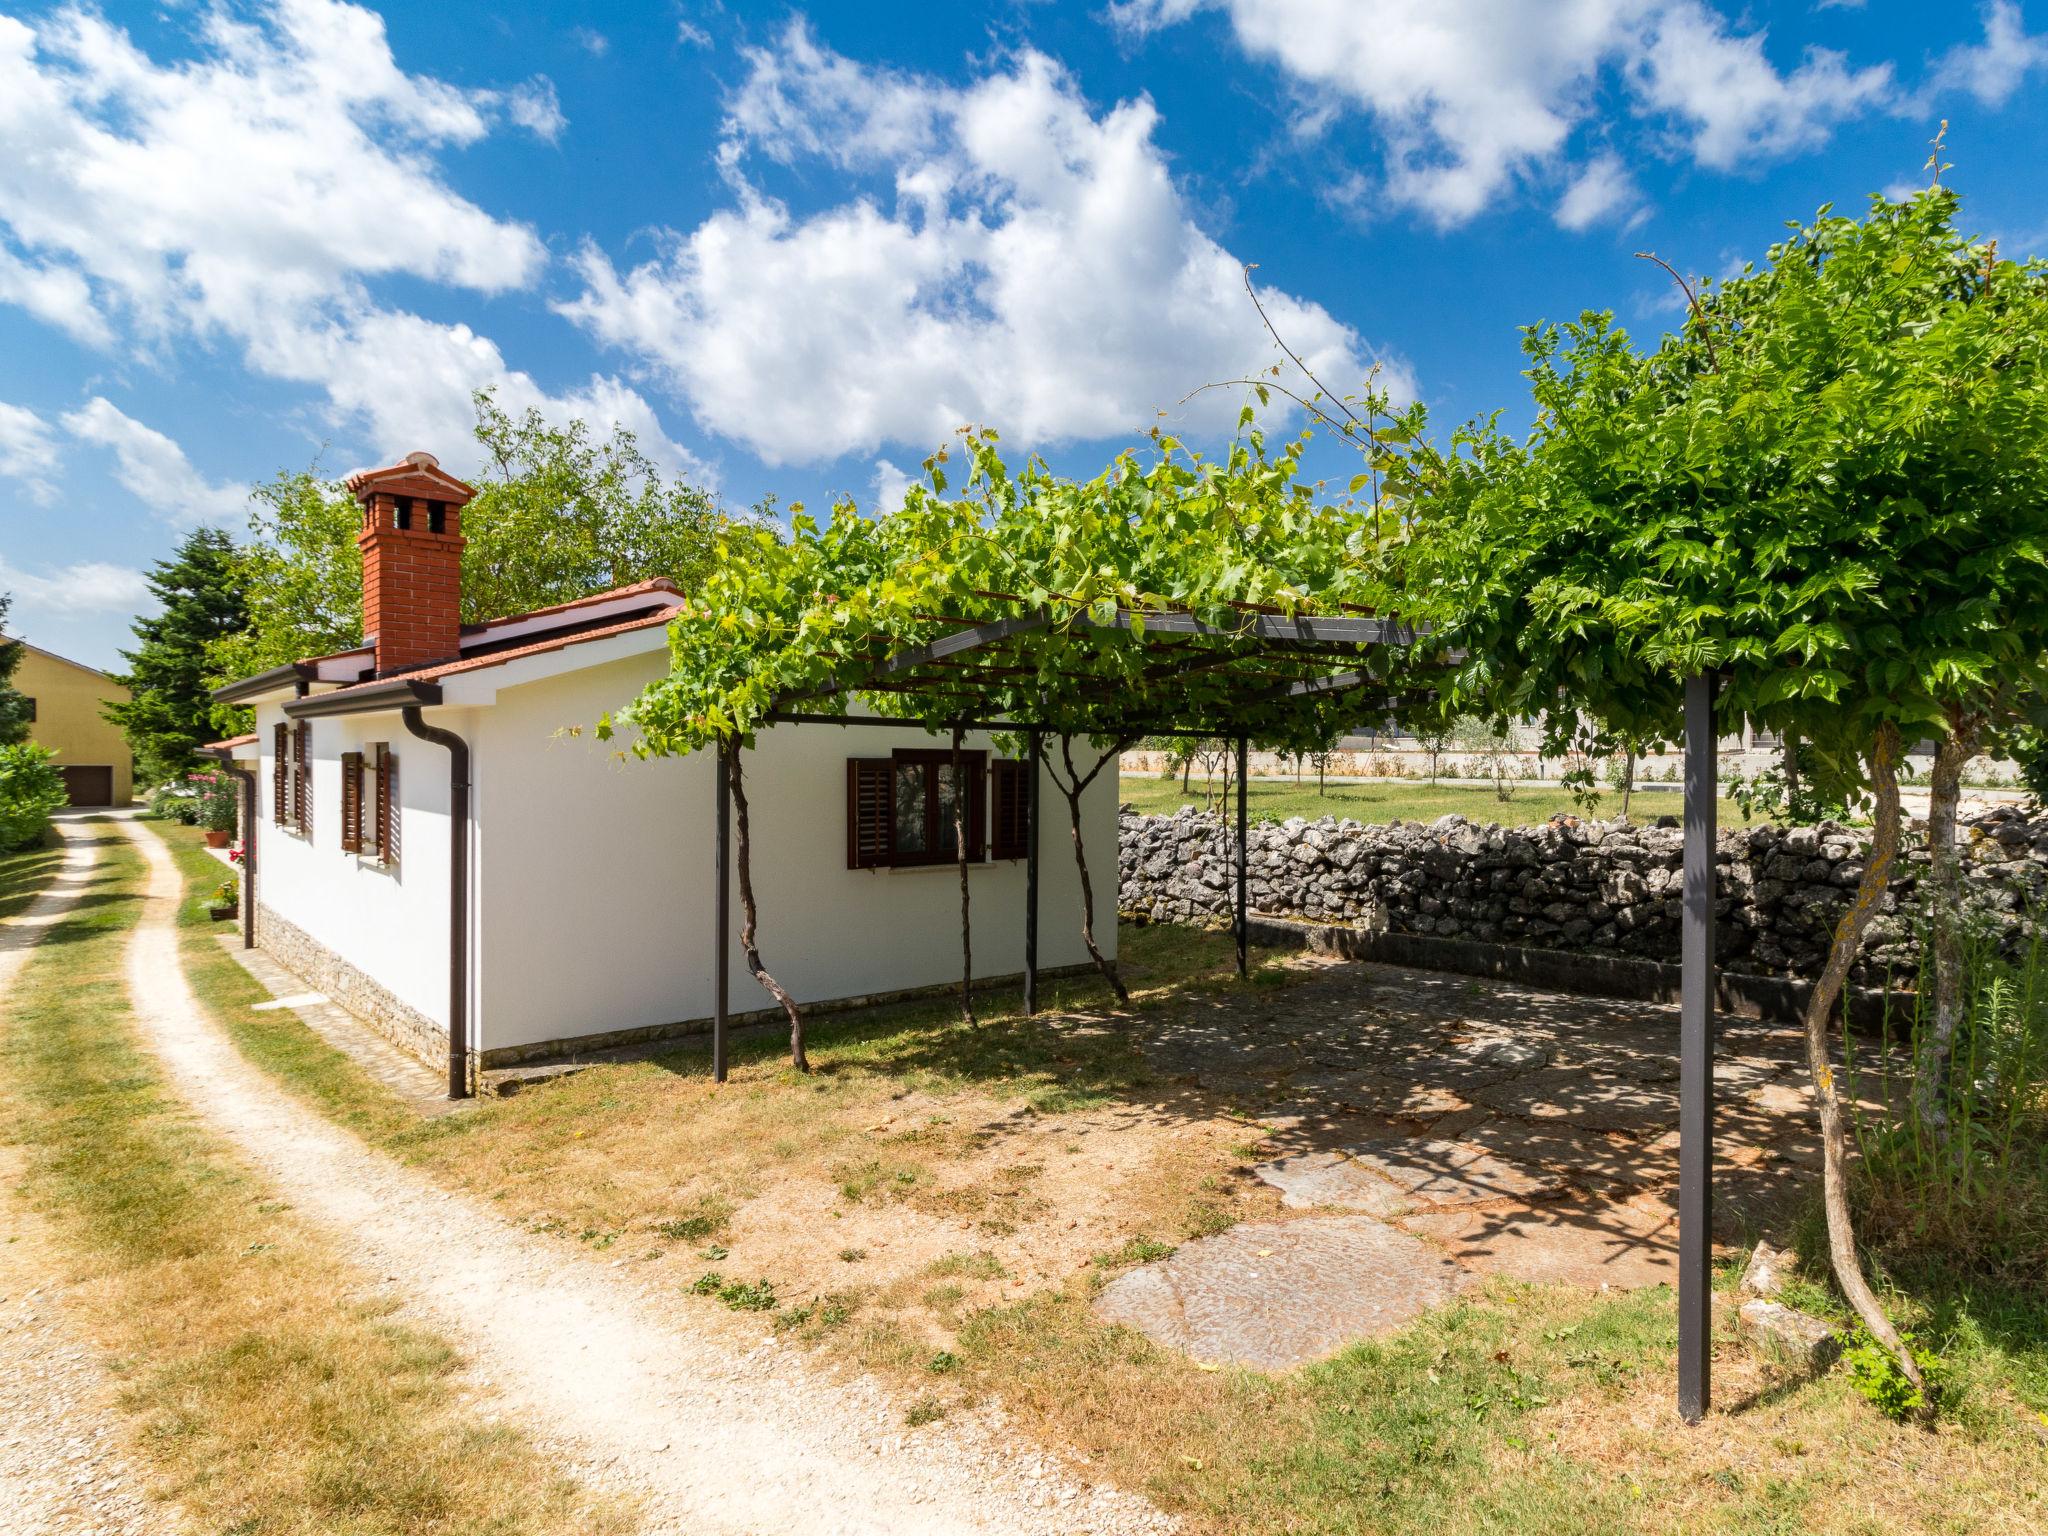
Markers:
89,786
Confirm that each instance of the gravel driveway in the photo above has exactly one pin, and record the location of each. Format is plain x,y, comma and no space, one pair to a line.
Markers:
62,1469
619,1382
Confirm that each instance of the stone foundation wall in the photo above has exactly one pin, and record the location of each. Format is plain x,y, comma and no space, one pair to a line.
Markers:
1599,887
361,994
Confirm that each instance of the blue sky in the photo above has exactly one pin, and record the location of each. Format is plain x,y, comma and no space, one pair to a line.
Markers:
794,247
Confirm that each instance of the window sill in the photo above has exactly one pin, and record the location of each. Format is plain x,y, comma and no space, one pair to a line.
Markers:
948,867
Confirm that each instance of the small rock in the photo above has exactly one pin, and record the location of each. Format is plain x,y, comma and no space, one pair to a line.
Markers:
1789,1336
1767,1270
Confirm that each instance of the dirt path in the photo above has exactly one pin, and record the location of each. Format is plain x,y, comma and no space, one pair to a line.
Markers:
711,1438
62,1472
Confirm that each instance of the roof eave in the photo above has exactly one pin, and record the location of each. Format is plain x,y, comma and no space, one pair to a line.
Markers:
243,690
365,699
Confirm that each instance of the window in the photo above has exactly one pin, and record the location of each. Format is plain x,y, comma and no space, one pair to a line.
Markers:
1010,826
899,809
31,703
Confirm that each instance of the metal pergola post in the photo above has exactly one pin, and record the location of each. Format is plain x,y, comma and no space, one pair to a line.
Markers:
1037,739
721,913
1696,1059
1242,926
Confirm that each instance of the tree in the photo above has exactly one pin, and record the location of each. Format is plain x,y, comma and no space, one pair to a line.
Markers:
14,706
168,712
558,515
1823,492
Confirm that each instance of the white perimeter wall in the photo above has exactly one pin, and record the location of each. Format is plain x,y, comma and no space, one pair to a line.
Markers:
390,923
595,899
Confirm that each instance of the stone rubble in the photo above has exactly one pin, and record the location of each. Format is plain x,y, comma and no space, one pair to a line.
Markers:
1790,1337
1607,887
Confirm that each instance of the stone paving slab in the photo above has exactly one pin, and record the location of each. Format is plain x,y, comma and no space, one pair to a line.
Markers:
1275,1295
1581,1154
1581,1098
1591,1243
1333,1179
1386,1177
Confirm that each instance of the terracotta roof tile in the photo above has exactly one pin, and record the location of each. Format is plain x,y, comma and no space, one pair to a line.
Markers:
540,646
656,587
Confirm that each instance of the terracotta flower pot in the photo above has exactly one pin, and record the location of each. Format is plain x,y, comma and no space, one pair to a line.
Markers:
218,839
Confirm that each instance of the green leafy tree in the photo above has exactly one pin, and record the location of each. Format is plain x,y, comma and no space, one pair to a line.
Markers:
167,713
1824,493
14,706
558,515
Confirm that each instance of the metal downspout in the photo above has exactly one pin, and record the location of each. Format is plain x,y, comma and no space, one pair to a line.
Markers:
458,895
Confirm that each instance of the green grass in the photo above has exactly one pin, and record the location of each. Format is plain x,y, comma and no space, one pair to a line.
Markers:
1384,800
24,873
269,1397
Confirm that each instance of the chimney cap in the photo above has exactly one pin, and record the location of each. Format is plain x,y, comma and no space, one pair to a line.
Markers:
417,474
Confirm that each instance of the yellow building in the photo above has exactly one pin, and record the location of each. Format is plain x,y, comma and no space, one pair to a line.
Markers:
65,698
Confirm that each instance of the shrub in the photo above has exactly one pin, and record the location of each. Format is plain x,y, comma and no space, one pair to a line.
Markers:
1876,1375
219,801
30,789
176,801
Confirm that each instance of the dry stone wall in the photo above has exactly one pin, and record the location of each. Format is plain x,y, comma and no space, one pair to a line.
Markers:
1594,886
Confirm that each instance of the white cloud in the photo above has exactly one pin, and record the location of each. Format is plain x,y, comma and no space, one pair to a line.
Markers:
535,107
153,469
1602,190
690,35
1038,271
1993,70
1472,98
889,485
56,296
256,194
28,452
591,41
92,586
1737,104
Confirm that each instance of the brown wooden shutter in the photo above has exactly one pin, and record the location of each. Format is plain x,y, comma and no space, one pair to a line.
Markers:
387,805
280,768
870,812
351,802
974,768
1010,830
302,777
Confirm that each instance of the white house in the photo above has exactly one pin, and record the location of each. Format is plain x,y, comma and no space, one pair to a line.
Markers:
570,902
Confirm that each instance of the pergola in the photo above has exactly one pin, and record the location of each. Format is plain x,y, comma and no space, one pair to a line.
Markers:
970,672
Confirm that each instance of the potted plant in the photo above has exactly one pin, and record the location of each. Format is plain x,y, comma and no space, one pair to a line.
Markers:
226,900
217,809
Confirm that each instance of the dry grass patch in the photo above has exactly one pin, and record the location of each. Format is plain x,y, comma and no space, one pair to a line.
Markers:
941,1205
272,1391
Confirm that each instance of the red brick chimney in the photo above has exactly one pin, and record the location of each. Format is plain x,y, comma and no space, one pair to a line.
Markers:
411,541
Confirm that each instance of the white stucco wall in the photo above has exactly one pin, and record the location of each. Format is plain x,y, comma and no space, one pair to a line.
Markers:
390,923
595,873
